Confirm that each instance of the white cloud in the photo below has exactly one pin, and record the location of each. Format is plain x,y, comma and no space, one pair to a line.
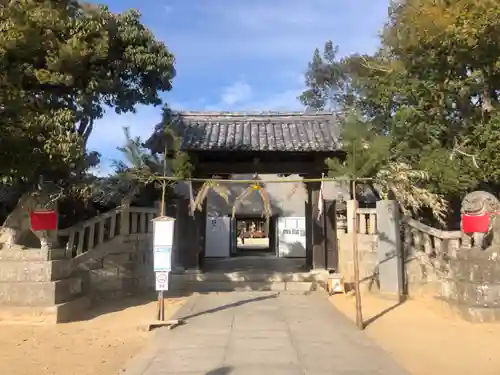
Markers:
236,93
246,98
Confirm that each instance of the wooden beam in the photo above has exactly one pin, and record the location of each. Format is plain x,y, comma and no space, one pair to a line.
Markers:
268,167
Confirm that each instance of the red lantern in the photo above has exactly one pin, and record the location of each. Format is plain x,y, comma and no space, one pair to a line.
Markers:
43,220
475,223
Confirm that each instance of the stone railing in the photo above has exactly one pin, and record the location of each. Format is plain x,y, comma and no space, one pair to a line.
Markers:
366,219
91,233
432,246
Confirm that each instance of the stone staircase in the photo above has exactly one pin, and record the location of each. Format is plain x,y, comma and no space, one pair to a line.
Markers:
106,254
251,273
39,286
219,281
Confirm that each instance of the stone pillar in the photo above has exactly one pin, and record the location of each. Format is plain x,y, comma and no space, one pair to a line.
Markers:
389,249
125,220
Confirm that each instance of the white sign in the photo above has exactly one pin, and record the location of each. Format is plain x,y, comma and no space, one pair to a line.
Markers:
161,281
163,231
162,258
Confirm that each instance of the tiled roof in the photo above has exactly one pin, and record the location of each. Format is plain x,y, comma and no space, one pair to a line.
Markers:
229,131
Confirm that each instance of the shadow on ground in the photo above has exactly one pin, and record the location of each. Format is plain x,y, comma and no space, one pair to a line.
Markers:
231,305
106,304
385,311
220,371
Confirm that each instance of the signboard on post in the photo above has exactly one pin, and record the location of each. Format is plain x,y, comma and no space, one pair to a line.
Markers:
161,281
163,236
162,258
163,231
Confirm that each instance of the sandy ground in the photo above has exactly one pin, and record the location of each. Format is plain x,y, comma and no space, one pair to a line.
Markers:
427,338
100,345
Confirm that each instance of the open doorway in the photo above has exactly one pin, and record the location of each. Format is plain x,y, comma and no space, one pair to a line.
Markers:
255,236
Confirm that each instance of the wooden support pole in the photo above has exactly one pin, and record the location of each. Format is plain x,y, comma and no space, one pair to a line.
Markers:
355,255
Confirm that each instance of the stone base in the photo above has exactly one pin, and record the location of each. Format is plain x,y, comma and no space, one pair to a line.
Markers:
473,287
34,270
61,313
19,253
39,293
476,314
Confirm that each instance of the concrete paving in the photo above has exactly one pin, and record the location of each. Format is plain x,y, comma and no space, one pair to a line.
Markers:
262,333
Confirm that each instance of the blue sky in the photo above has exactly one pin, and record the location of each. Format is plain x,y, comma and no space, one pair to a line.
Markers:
240,54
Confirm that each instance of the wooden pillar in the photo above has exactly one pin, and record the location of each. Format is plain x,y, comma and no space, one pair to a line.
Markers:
201,219
186,236
309,226
318,237
331,242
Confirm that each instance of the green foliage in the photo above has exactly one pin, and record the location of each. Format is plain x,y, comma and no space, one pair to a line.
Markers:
139,165
165,139
369,154
366,151
61,64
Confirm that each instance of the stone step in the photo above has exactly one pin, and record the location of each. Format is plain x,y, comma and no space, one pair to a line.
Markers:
35,271
60,313
227,286
254,276
43,293
18,253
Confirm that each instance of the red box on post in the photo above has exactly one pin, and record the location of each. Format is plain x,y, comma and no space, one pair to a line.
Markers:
43,220
475,223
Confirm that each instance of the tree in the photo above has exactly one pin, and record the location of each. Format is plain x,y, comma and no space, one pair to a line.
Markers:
61,64
432,87
370,158
165,140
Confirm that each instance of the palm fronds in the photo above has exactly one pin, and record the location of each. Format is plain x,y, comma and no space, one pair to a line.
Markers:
407,186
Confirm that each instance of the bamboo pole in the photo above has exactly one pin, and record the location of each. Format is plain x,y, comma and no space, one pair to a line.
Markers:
161,296
355,252
282,181
355,255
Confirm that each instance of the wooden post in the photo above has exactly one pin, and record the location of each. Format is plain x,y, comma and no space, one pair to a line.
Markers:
309,226
355,255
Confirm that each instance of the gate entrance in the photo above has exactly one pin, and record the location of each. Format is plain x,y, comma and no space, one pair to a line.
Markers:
253,236
264,148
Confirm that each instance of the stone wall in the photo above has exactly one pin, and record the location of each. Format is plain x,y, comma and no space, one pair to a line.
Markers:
124,269
473,284
367,245
367,250
426,253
